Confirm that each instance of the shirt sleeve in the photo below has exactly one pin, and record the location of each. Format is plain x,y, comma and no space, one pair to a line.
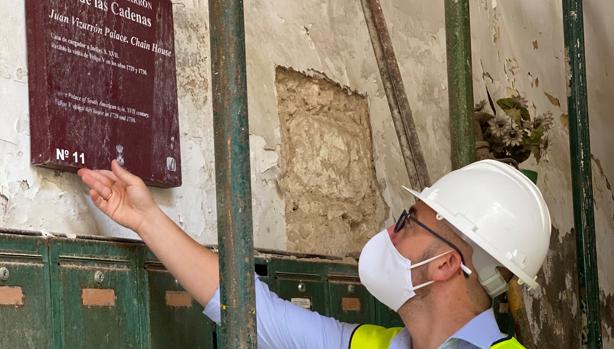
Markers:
283,325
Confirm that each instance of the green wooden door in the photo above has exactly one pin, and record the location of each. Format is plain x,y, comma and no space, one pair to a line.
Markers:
96,294
93,293
301,283
25,311
176,319
349,299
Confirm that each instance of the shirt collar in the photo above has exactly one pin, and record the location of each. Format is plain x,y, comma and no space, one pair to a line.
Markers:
482,331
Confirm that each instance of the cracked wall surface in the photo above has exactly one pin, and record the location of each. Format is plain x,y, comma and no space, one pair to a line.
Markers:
333,203
278,33
518,49
52,201
554,309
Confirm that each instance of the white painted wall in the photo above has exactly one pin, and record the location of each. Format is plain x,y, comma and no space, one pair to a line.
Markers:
330,38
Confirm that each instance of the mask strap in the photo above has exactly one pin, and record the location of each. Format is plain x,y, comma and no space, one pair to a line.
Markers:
422,285
429,260
463,266
466,269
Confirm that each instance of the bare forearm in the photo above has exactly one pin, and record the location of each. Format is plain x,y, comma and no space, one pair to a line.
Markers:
193,265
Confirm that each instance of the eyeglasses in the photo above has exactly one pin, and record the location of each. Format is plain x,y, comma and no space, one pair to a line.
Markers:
409,215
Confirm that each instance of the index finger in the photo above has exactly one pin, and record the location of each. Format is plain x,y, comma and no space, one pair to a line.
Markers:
98,175
109,174
100,187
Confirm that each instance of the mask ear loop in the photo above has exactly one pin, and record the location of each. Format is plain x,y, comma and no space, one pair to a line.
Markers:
421,263
463,266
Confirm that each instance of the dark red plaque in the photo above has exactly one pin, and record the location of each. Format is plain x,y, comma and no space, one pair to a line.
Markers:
103,86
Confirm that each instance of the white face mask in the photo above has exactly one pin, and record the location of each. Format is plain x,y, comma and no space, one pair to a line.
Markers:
387,274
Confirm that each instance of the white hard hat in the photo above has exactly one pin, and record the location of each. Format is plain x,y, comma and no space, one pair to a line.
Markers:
500,213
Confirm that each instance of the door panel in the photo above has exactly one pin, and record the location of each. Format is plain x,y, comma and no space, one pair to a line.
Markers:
24,293
96,292
176,319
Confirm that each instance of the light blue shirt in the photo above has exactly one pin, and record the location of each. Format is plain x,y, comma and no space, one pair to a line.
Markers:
283,325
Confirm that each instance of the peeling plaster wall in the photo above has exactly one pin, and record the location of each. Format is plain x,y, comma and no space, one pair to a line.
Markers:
52,201
326,37
328,179
330,38
42,200
518,48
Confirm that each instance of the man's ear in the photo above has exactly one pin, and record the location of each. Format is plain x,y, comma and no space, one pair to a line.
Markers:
446,267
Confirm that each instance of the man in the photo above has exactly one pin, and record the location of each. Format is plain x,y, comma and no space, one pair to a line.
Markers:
438,267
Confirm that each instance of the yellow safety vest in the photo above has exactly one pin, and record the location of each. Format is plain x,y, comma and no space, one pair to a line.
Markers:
377,337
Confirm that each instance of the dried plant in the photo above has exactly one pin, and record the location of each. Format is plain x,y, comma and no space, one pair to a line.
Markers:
515,134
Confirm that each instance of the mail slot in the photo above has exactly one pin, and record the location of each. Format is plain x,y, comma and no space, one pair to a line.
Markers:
97,293
349,299
24,292
304,290
302,283
175,318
